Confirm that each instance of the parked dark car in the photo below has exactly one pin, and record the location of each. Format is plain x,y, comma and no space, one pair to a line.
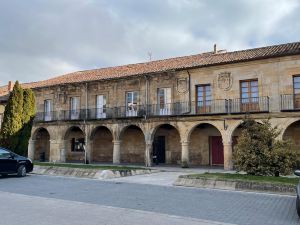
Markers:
11,163
297,173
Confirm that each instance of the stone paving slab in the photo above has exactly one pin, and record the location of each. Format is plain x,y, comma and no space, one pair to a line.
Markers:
31,210
206,204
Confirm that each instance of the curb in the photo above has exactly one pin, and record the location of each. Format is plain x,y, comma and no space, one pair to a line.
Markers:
283,189
87,173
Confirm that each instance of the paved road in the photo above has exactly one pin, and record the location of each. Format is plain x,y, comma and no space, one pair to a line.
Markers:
61,196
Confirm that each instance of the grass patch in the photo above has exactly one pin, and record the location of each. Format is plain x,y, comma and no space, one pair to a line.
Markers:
88,166
242,177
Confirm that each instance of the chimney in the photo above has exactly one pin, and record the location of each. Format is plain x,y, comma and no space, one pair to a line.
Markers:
215,48
10,86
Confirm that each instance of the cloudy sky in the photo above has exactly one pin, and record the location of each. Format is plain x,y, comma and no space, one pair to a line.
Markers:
40,39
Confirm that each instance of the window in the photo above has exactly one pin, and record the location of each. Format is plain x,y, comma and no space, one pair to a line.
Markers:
4,153
74,108
203,98
164,101
131,103
101,106
296,81
47,110
249,95
77,145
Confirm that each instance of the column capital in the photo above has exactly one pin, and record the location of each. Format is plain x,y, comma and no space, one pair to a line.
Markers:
117,142
149,142
184,142
227,142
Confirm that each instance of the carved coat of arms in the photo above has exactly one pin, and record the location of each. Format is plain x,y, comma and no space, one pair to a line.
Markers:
182,85
225,81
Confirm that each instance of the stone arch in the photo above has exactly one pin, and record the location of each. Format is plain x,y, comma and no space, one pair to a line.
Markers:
194,126
154,128
132,144
101,144
292,132
74,138
285,125
166,143
120,131
41,138
206,144
236,131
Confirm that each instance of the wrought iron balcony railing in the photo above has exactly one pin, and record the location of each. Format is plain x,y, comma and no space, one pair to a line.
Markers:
211,107
249,105
290,102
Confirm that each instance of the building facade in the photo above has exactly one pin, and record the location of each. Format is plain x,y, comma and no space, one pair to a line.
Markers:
185,110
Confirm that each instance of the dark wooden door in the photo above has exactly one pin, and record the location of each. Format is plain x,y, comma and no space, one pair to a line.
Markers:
159,149
217,152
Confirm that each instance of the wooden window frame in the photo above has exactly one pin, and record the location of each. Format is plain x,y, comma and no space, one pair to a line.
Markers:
205,108
250,105
296,96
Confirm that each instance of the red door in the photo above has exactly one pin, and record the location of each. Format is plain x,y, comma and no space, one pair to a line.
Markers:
217,153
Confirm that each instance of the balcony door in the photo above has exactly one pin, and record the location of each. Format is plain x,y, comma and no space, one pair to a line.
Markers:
203,98
74,108
47,110
131,103
164,101
297,92
101,106
249,95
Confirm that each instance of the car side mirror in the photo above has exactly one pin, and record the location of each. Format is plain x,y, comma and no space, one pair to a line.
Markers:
297,172
11,156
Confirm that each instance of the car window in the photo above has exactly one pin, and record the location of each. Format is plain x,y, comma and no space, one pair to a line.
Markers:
4,153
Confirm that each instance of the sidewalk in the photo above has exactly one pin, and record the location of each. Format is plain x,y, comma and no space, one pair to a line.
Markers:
166,176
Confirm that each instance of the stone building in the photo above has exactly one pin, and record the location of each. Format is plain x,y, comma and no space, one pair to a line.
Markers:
185,110
4,93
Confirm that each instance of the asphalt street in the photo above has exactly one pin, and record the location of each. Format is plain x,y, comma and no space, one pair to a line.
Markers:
44,200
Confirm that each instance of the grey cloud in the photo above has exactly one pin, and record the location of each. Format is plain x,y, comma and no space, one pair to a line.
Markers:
41,39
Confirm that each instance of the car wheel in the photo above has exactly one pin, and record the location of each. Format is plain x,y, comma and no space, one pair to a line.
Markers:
298,205
21,171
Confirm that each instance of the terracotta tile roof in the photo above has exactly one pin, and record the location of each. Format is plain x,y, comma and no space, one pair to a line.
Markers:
185,62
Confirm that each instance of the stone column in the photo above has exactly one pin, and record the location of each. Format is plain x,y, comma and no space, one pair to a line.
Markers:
185,155
117,152
89,149
57,151
227,147
31,149
148,153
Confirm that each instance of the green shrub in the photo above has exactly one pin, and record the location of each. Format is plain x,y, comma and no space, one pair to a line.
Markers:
13,119
258,152
17,121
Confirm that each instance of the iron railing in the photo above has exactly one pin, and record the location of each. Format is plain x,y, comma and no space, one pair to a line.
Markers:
211,107
249,105
290,102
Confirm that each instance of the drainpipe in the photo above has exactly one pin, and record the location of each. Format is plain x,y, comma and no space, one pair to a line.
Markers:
84,122
146,96
190,94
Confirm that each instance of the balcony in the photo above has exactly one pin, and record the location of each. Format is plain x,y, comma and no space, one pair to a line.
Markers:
249,105
290,102
211,107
